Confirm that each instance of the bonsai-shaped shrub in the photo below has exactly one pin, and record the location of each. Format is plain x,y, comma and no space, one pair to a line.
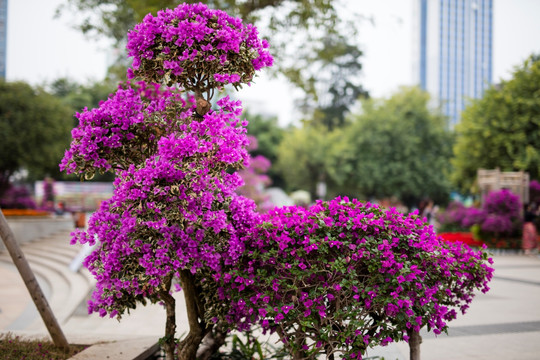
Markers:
335,278
174,217
342,276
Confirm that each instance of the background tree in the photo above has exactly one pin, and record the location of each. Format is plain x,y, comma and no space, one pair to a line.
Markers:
402,149
31,116
268,135
502,129
310,154
78,96
338,86
395,147
313,41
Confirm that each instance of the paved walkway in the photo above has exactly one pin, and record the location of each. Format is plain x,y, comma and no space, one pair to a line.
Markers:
502,324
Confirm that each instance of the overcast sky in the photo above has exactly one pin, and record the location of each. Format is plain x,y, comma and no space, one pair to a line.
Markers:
41,48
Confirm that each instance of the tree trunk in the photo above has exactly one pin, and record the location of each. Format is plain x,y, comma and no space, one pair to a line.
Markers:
414,345
211,344
170,325
32,285
197,330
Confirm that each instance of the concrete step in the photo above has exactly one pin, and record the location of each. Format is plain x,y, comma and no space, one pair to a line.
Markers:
58,247
62,243
61,257
79,284
132,349
61,240
57,296
64,259
60,236
68,289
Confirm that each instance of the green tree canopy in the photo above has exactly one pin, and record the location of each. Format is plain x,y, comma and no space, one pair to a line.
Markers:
502,129
269,135
78,96
402,148
34,131
394,147
311,154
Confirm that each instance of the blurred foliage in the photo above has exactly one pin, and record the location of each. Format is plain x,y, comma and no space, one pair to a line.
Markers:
307,156
269,135
339,85
34,131
502,129
402,148
78,96
313,41
395,147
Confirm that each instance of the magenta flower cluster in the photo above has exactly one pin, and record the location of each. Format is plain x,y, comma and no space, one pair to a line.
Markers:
534,191
453,216
350,275
196,47
255,179
175,210
131,118
17,197
502,210
499,215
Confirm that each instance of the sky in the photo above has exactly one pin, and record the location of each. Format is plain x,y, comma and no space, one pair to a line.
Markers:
42,48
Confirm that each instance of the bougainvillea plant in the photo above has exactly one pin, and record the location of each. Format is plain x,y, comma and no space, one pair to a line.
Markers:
498,218
199,48
342,276
503,210
174,218
17,197
335,278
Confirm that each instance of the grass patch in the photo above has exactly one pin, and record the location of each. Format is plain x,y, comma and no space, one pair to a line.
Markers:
15,347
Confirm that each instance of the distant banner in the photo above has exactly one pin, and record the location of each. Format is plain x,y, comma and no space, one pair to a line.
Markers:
75,195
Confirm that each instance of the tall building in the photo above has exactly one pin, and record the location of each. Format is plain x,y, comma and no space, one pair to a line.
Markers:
455,48
3,37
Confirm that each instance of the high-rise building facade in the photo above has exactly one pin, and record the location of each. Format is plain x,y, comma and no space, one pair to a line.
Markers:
455,48
3,37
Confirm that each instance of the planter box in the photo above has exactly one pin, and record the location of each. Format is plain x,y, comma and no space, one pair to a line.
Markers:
463,237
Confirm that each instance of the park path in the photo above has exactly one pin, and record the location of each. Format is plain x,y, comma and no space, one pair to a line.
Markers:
502,324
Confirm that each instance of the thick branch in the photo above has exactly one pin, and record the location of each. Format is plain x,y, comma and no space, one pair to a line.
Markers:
414,345
197,330
170,325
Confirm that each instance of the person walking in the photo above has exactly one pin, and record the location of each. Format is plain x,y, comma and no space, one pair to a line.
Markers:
530,233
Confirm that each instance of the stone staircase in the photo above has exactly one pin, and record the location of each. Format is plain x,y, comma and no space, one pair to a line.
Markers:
50,258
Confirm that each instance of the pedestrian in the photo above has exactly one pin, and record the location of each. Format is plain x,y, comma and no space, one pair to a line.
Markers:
530,234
